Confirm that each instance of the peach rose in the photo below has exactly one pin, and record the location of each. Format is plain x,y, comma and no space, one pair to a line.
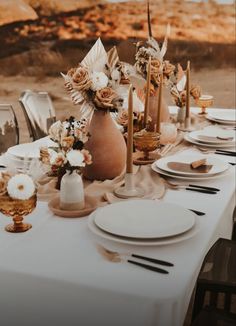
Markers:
122,118
195,91
81,80
104,98
87,157
4,178
67,142
156,69
183,96
44,155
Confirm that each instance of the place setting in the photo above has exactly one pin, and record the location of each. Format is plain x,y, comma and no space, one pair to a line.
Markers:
222,117
192,167
128,223
213,137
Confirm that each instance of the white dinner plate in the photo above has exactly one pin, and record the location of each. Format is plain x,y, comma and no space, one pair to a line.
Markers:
195,142
223,115
222,122
138,242
24,151
144,219
211,134
190,178
218,166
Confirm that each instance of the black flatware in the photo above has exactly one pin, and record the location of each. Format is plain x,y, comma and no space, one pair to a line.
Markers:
153,260
199,213
148,267
2,167
223,152
203,187
203,191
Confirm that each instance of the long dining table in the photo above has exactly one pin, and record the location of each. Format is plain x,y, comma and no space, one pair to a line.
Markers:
54,275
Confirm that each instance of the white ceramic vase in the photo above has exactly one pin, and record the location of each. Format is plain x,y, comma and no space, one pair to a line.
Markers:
72,192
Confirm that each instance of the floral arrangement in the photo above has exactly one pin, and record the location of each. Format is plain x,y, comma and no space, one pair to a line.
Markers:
69,154
96,83
151,49
18,186
178,88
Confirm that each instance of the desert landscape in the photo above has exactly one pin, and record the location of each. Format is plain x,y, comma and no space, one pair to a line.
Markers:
39,39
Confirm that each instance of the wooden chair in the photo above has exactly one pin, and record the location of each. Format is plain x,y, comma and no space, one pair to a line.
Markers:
217,275
39,112
9,131
214,317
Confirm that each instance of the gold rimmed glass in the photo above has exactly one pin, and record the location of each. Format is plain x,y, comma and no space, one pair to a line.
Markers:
17,209
204,102
146,142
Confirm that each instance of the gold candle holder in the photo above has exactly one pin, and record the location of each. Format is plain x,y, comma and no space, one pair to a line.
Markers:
204,102
146,142
17,209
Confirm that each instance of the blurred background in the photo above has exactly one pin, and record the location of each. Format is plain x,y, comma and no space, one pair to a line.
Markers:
40,38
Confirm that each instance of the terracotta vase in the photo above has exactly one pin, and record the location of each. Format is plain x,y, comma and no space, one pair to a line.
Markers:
153,104
107,147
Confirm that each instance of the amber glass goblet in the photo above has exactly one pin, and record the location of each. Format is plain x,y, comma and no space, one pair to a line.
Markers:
146,142
204,102
17,209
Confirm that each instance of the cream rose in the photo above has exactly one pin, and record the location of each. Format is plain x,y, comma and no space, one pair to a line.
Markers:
168,68
104,98
81,79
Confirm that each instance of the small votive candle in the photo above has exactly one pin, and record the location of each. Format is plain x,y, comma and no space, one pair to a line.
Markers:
168,133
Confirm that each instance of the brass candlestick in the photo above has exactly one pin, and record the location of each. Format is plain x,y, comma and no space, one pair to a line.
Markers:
204,102
17,209
146,142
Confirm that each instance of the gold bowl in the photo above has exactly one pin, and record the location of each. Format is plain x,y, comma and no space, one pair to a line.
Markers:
17,209
205,101
146,142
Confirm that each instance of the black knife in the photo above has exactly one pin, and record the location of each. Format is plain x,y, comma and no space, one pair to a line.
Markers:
153,260
204,187
202,191
199,213
149,267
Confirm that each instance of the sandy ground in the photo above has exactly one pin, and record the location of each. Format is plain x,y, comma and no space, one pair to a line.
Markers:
220,83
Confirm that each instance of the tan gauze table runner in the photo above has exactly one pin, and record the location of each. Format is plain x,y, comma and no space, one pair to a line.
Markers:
153,185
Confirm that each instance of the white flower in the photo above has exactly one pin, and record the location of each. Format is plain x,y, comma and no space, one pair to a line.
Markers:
55,131
75,158
99,80
21,186
115,75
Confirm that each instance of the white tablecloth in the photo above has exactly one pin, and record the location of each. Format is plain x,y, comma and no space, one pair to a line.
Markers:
53,274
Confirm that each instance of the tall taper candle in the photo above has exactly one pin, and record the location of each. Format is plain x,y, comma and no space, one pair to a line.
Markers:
158,126
188,90
129,158
146,107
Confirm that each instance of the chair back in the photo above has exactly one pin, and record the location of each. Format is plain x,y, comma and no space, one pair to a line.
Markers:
39,112
9,131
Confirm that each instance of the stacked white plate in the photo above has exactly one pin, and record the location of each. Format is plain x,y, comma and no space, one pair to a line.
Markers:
143,222
224,116
212,136
21,156
218,168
